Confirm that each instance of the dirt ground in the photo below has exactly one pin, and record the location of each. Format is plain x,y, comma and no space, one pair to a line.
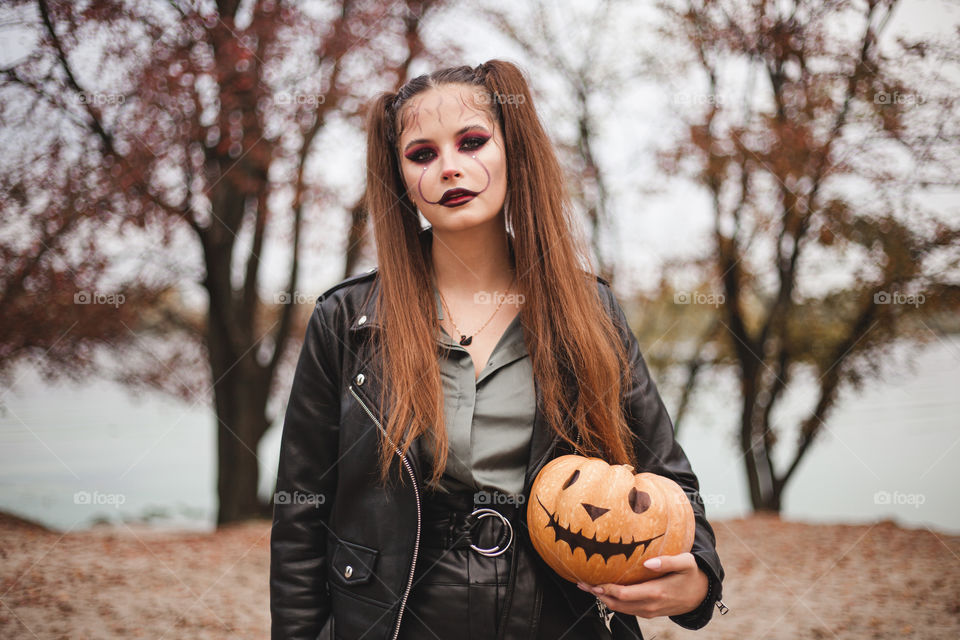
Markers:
784,580
788,580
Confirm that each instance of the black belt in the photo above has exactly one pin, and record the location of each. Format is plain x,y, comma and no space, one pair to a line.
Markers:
453,522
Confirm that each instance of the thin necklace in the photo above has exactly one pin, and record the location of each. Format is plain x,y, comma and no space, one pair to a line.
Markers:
465,340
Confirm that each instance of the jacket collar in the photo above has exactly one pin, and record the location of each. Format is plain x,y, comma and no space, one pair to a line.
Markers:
367,316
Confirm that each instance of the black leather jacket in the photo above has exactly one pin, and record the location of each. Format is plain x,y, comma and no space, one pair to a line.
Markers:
330,513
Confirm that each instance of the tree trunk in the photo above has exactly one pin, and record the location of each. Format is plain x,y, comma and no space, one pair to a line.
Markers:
764,493
238,473
764,489
240,399
240,383
356,242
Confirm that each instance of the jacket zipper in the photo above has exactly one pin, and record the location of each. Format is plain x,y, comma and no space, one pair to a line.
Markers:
604,613
416,494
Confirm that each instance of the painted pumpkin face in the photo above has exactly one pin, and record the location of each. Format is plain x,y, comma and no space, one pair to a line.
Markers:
597,523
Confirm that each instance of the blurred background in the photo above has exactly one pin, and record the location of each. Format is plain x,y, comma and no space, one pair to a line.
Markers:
771,188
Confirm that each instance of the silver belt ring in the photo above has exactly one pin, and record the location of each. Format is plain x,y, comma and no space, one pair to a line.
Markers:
490,552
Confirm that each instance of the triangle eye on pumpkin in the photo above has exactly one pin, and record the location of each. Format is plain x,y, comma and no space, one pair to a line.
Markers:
593,511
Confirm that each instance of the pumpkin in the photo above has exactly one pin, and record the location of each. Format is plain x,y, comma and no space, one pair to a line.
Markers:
597,523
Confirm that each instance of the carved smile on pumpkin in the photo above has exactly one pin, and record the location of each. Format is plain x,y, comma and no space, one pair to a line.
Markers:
605,548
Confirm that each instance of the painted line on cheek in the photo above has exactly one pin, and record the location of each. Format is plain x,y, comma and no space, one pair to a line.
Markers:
420,188
483,166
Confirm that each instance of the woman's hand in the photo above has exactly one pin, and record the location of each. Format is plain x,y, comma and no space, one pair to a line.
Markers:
682,587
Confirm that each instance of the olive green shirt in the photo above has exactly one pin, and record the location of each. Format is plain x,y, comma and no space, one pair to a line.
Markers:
489,417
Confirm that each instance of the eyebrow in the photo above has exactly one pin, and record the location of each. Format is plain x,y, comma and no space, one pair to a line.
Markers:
469,127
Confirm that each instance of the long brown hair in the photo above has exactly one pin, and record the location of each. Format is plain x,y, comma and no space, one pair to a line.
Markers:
571,340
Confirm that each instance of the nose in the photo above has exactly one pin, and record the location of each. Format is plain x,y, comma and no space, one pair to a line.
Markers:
451,167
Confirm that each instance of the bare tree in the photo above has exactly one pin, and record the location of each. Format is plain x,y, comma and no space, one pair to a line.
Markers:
820,169
197,126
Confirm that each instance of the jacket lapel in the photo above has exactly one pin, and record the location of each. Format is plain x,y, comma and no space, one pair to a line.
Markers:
364,320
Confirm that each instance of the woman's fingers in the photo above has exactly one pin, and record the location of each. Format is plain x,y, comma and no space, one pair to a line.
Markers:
666,564
638,592
660,564
665,595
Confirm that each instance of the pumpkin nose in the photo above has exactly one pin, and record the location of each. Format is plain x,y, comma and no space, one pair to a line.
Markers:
592,511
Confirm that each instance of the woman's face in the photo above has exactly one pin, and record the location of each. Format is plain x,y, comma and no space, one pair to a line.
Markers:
452,157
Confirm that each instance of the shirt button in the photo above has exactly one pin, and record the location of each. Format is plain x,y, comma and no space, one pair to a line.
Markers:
359,379
362,320
348,571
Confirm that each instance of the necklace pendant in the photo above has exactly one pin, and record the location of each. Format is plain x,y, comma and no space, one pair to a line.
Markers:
466,340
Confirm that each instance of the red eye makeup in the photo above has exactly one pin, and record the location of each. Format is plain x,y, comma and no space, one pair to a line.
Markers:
425,153
470,138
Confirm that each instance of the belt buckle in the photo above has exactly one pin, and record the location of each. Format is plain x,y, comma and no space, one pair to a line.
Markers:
507,531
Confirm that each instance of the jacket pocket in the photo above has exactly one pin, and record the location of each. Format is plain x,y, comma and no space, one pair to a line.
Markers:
352,563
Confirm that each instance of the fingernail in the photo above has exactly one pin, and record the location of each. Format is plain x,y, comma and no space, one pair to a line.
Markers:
583,586
652,563
598,590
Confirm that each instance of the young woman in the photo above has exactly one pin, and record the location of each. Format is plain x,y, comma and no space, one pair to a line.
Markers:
431,390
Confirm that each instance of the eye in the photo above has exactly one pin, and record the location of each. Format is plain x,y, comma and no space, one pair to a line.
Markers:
573,478
472,143
639,500
421,155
